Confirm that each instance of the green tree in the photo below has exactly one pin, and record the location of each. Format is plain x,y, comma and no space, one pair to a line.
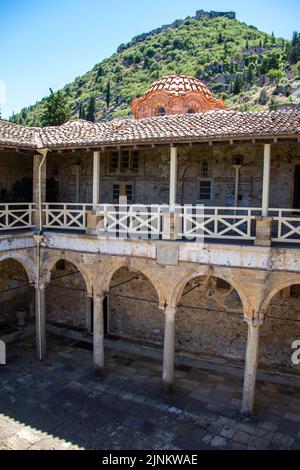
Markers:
237,86
107,95
297,68
273,39
90,113
294,50
81,111
275,75
56,109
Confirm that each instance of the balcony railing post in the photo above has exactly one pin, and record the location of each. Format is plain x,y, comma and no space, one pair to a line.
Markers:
263,236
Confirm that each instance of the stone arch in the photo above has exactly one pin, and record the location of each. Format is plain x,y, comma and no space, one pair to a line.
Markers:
279,315
66,293
275,290
17,290
134,308
48,265
25,261
133,265
206,271
210,316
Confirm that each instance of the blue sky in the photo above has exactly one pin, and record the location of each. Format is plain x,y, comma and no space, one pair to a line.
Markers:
47,43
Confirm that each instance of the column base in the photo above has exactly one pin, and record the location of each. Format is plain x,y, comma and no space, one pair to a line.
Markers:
167,388
246,412
99,371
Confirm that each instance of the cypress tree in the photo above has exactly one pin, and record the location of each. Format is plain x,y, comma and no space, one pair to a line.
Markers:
108,96
90,114
81,111
56,111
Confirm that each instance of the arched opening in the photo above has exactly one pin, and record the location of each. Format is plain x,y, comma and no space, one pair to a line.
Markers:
67,305
16,302
191,111
280,328
134,312
160,111
209,320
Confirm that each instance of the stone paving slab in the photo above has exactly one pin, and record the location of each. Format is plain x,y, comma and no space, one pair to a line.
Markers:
60,404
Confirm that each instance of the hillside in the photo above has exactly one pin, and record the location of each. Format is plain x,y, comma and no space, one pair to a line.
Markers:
250,69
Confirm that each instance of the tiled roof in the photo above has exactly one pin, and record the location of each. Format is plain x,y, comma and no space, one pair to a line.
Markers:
212,125
178,85
13,135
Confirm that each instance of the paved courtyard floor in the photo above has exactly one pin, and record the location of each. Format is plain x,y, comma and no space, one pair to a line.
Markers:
60,404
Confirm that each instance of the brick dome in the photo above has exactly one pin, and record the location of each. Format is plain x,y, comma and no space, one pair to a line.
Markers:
175,94
178,85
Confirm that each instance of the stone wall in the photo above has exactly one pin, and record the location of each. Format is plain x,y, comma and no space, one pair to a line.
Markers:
66,297
131,318
15,293
13,167
215,14
280,329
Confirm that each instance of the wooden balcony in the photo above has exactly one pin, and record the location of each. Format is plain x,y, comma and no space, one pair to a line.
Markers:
187,223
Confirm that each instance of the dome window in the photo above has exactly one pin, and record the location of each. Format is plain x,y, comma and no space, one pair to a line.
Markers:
161,112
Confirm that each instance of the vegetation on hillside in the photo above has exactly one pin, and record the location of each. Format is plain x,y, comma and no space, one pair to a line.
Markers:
250,69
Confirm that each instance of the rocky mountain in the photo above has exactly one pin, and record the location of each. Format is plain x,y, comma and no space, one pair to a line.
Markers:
248,68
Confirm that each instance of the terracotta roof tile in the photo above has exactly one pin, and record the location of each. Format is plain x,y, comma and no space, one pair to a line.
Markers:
173,128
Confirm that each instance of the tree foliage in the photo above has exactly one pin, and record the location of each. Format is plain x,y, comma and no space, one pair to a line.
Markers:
56,109
208,48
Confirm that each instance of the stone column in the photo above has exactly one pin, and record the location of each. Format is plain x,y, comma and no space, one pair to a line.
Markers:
169,349
96,179
251,363
88,314
266,180
40,321
98,334
173,177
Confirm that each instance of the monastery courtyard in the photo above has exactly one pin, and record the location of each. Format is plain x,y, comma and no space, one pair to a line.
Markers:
60,404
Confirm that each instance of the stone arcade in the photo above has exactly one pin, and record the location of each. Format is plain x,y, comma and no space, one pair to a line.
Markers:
177,230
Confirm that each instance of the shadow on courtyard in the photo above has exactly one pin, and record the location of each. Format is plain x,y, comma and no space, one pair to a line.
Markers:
127,410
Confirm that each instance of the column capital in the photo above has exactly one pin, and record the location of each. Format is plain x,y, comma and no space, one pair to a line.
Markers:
98,296
255,322
170,310
41,284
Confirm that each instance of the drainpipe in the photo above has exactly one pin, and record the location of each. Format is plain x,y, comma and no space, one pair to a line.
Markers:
38,237
43,152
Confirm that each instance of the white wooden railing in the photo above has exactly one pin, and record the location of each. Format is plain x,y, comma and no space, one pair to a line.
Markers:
66,216
16,216
133,220
286,225
233,223
191,222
